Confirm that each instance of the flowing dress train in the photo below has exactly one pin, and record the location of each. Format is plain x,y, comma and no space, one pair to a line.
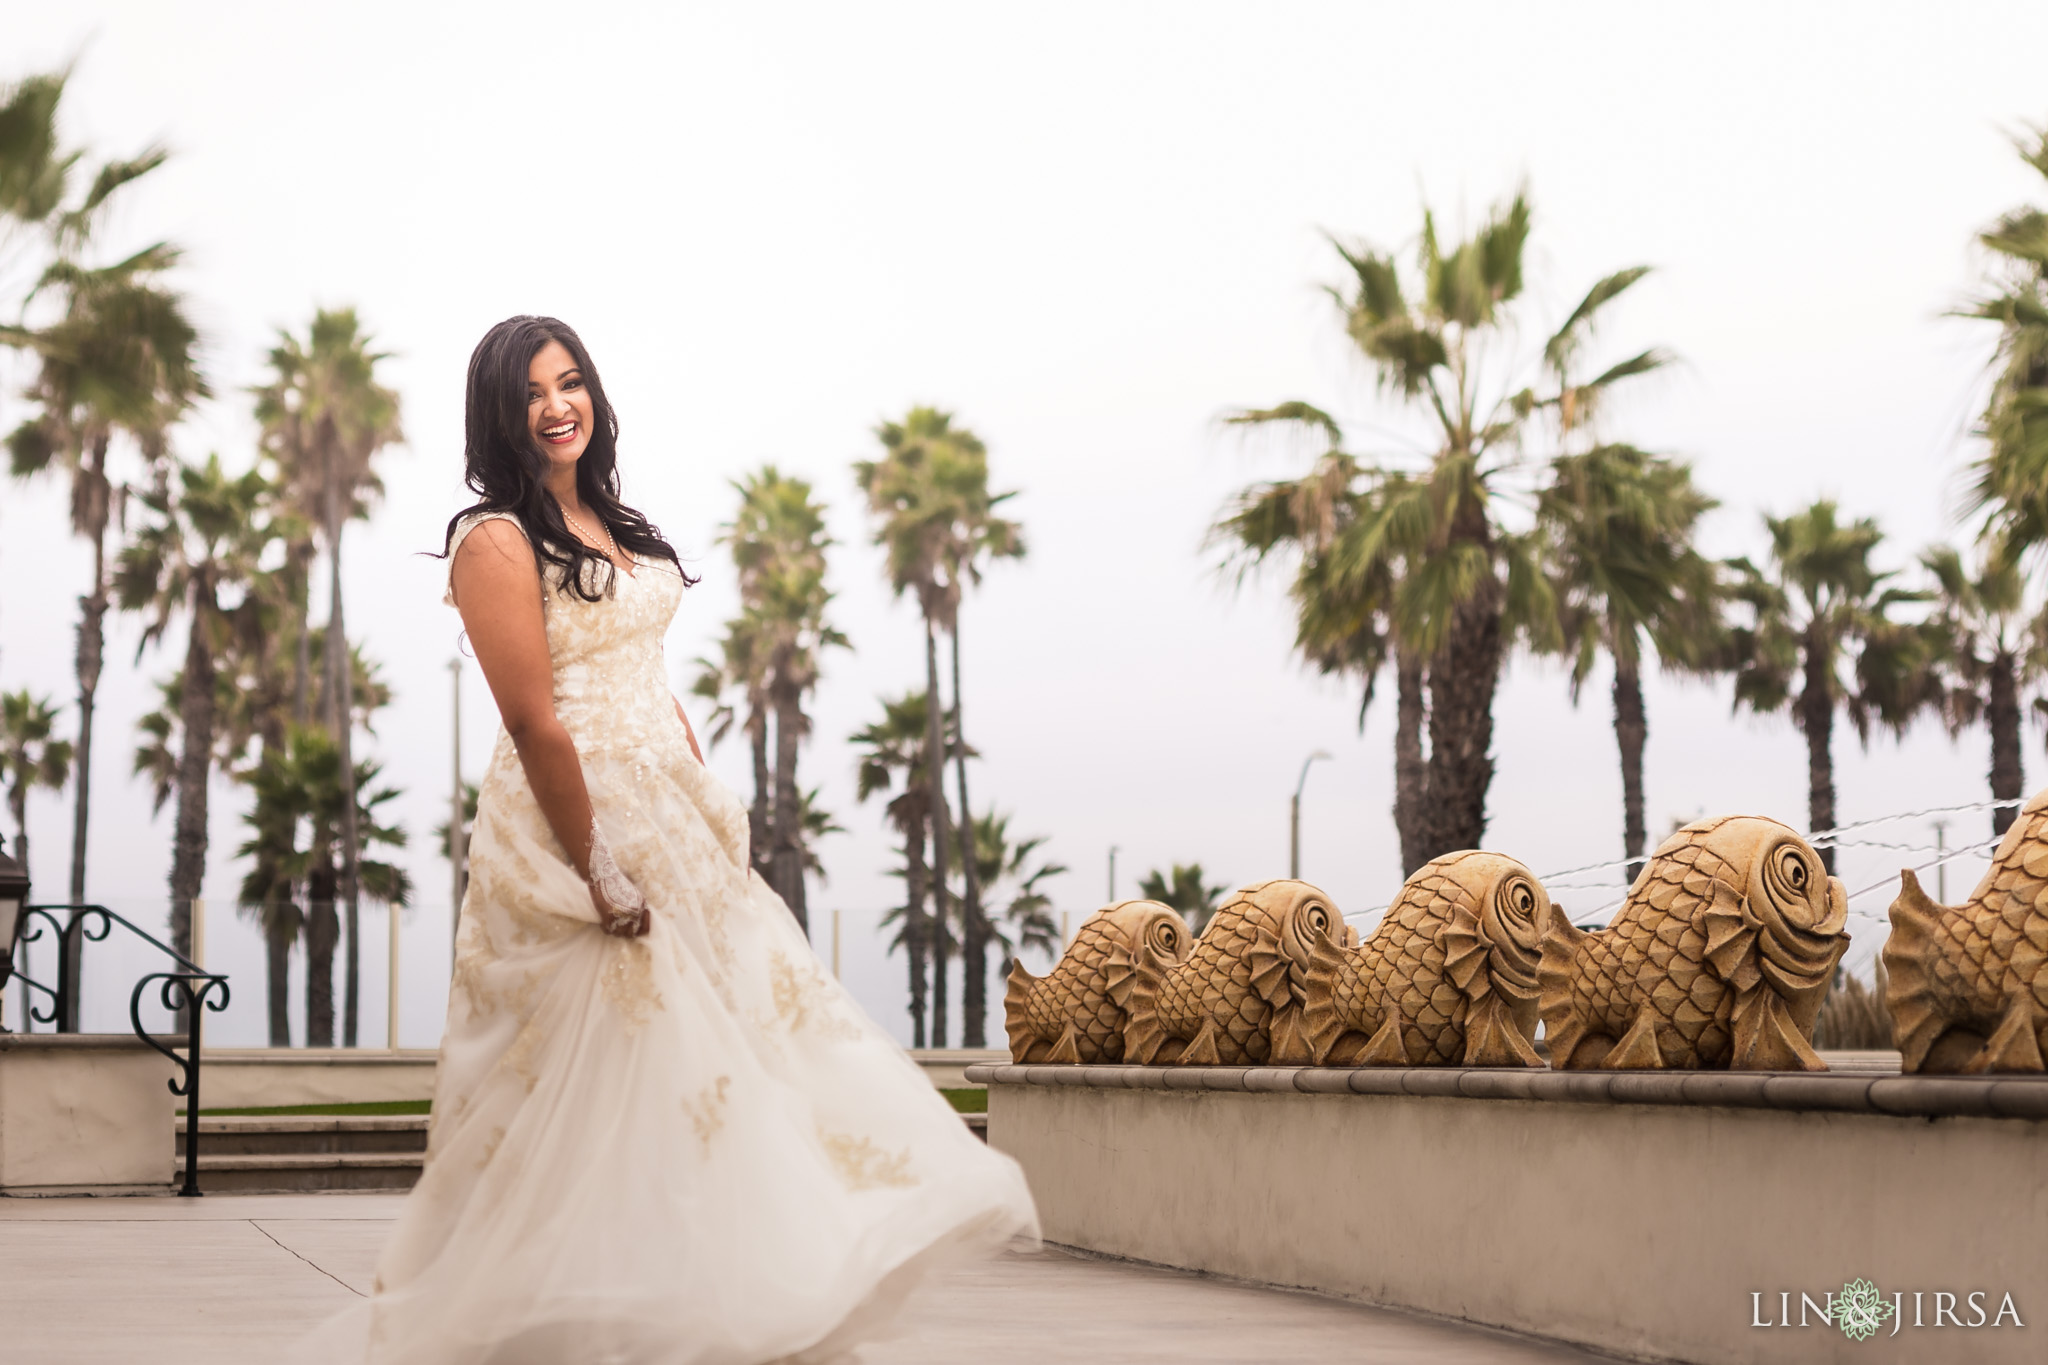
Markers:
690,1148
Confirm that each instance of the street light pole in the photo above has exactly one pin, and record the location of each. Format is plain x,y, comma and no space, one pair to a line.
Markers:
1112,874
1941,868
1294,817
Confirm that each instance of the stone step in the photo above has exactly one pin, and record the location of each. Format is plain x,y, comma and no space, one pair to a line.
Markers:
280,1134
280,1154
293,1173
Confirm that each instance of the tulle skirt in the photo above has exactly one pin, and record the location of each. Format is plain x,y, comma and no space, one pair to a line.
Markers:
684,1149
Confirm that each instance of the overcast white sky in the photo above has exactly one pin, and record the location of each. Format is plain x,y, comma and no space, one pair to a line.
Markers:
1088,230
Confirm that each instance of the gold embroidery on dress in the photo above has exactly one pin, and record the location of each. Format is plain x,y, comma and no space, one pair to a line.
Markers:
519,1058
521,995
864,1166
472,955
627,978
801,999
491,1147
707,1111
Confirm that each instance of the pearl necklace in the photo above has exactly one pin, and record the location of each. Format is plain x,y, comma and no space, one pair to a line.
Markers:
584,531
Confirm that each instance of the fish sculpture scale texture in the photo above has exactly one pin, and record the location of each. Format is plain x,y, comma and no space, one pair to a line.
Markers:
1237,999
1447,978
1967,985
1076,1012
1719,958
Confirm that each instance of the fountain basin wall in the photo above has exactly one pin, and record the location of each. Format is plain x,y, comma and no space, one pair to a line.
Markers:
84,1113
1634,1212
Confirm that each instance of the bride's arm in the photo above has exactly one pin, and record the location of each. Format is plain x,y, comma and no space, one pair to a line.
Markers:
688,729
498,592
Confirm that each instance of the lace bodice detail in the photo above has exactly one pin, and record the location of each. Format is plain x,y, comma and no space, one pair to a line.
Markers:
610,678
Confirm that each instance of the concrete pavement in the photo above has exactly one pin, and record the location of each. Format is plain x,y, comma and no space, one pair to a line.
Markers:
232,1279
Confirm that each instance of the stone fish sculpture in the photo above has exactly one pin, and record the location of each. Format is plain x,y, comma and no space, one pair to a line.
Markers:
1447,978
1968,991
1719,958
1237,999
1076,1012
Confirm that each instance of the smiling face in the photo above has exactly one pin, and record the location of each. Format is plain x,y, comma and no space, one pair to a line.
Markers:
558,406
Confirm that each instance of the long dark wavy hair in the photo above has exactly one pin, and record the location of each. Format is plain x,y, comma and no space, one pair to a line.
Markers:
507,469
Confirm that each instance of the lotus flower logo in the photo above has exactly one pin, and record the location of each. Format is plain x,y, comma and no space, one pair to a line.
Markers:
1860,1310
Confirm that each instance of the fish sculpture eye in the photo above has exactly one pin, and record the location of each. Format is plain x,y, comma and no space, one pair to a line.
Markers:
1519,897
1789,882
1166,937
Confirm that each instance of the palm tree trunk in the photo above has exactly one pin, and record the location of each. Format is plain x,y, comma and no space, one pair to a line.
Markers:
302,648
1411,767
195,767
278,933
1817,720
340,691
1631,731
916,927
974,929
760,831
322,929
789,850
17,806
91,509
2008,779
1462,680
935,776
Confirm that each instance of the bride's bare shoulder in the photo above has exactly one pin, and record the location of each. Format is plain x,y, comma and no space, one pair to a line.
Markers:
498,534
492,556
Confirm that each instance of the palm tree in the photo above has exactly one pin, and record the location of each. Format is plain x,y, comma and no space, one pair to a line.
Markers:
1819,618
736,684
207,532
1617,526
2010,480
1006,869
1184,890
898,743
252,709
294,827
814,823
1429,555
978,534
270,894
911,530
1986,648
324,418
444,836
36,177
778,544
29,758
35,171
115,357
252,706
2009,484
116,360
936,520
1340,524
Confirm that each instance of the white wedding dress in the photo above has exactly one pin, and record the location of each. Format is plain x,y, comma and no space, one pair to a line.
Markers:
691,1147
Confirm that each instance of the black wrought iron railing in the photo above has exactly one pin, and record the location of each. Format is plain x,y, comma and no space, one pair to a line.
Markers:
189,991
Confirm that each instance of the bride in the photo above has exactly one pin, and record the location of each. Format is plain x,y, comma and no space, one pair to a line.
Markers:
661,1132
